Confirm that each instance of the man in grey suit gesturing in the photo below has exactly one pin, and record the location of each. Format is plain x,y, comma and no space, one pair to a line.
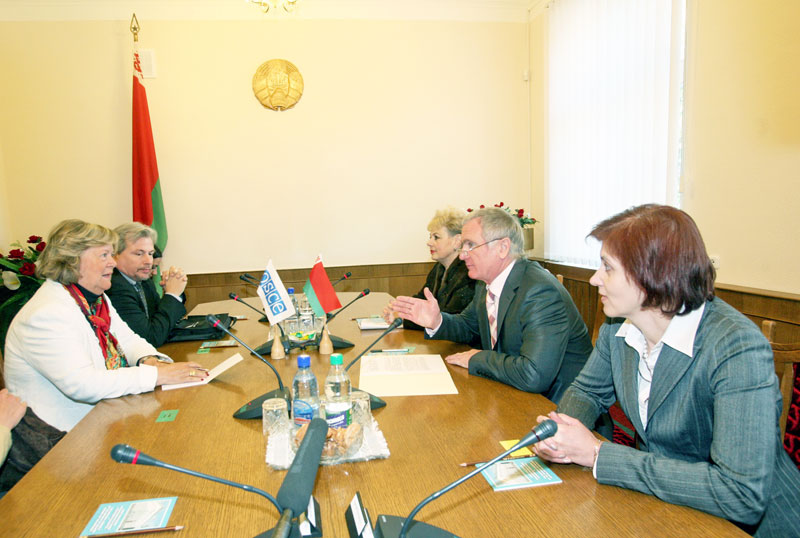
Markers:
531,335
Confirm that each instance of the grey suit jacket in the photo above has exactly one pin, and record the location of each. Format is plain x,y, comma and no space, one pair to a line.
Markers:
712,437
542,341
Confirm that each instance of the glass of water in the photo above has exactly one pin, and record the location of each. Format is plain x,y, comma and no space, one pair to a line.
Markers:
275,413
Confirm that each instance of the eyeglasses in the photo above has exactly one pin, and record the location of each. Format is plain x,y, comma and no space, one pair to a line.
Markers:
466,249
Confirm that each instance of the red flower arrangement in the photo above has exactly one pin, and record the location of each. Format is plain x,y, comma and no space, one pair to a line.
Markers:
19,281
523,217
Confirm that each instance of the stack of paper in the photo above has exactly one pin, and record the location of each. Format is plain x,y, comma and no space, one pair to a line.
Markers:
386,374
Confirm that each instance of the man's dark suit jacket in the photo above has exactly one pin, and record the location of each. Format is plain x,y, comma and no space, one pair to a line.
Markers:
454,295
542,341
164,311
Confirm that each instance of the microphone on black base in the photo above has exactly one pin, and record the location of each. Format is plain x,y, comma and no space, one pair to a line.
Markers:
127,454
345,276
250,279
252,409
238,299
340,343
284,340
294,494
363,293
398,527
298,483
374,401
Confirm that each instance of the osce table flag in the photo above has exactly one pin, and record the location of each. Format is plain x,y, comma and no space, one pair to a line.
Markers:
319,290
277,304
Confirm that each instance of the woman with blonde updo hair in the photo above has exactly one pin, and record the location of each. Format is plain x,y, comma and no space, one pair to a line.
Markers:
448,280
67,348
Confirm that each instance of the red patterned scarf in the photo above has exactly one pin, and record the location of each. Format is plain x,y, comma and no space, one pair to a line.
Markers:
99,318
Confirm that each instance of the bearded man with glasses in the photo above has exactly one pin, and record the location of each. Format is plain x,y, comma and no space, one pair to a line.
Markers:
530,332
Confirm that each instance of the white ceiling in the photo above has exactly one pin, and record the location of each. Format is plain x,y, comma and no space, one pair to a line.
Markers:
453,10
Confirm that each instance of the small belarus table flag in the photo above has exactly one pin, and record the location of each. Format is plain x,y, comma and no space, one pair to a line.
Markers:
319,290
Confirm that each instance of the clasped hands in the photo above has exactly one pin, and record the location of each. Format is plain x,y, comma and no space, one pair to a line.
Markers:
174,280
425,313
572,443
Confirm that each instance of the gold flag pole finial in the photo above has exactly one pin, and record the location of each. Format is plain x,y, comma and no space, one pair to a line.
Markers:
135,28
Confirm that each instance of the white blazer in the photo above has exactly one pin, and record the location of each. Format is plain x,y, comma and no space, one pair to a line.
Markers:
54,363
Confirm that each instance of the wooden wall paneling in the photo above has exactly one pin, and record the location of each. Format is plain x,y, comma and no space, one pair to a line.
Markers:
408,279
394,279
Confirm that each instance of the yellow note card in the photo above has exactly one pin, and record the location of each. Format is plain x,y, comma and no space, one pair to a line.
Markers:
522,452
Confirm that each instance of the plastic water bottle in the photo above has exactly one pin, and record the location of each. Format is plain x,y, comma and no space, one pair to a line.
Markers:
337,394
293,297
305,392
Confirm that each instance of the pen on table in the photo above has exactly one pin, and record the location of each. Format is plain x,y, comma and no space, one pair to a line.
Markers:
398,350
365,317
509,458
202,369
128,533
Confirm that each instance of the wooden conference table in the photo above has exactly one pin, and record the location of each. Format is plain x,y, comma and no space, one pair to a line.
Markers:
427,436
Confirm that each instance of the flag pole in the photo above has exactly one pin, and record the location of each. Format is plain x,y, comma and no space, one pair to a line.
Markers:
135,28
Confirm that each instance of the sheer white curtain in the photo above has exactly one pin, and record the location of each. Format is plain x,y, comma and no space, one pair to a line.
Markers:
614,115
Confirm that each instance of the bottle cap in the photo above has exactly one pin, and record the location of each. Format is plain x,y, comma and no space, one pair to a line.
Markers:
290,290
336,359
303,361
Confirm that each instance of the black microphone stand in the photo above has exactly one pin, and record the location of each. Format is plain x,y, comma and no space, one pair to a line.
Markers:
247,278
338,343
284,341
396,526
252,409
374,401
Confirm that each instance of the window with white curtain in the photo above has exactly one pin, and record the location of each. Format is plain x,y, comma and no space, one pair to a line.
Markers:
615,86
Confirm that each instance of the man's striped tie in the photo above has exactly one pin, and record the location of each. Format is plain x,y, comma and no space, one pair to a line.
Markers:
491,309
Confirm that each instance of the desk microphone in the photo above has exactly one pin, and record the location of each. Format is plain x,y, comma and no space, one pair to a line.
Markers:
252,409
345,276
340,343
236,298
374,401
127,454
398,527
250,279
295,491
298,483
364,292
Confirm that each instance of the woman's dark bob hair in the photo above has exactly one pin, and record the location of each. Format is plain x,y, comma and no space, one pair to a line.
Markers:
662,252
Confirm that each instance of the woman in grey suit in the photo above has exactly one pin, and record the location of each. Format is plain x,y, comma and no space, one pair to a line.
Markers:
695,377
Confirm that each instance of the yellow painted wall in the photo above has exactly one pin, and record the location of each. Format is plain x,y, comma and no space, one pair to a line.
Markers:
397,120
356,169
741,180
742,172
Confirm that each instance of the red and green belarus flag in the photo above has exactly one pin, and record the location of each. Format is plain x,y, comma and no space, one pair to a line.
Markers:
148,207
319,290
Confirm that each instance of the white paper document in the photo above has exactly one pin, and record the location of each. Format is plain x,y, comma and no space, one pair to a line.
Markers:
373,323
385,374
214,372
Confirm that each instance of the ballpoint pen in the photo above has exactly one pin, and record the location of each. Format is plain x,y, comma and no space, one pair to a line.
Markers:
473,463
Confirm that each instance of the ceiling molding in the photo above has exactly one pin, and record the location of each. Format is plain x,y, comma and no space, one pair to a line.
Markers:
421,10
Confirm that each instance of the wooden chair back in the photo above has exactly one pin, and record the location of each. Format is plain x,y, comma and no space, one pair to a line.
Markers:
786,356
